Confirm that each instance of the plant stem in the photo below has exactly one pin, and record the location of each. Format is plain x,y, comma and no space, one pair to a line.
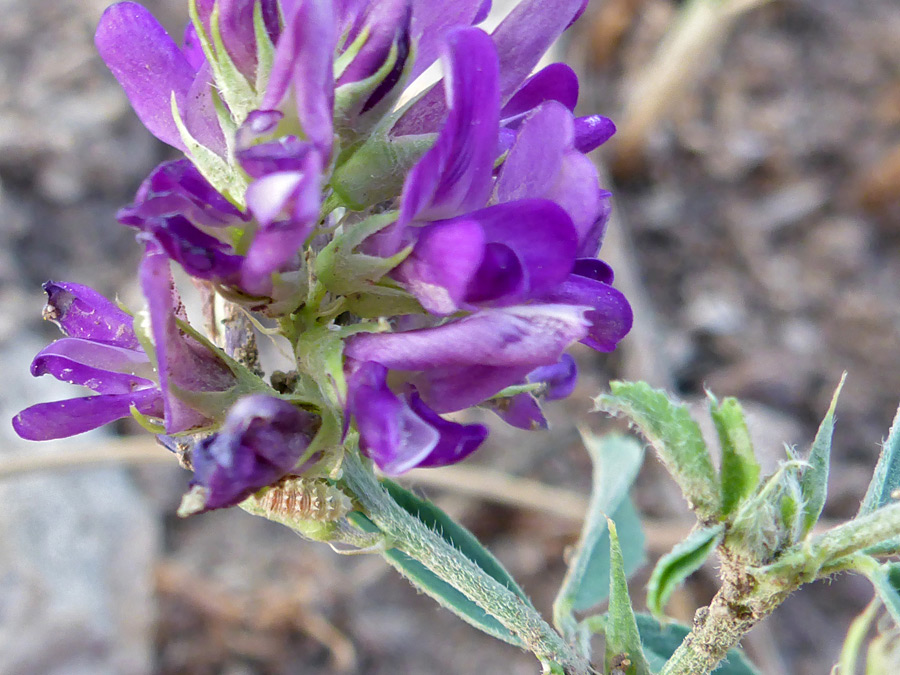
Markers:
738,606
422,544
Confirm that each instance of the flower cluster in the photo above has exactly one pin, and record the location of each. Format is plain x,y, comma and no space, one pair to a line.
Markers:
422,253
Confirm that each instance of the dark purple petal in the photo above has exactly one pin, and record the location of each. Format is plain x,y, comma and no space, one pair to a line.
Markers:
559,379
236,27
105,368
457,388
390,433
260,441
199,112
610,316
594,269
81,312
148,64
521,411
590,242
288,153
540,234
387,23
529,336
535,160
201,255
445,259
454,176
456,442
182,362
592,132
178,188
556,82
303,58
60,419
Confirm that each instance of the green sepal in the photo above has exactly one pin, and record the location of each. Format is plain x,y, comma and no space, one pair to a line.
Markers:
683,560
230,81
150,424
375,171
623,641
382,300
350,123
344,272
616,460
886,479
814,481
674,435
740,471
426,581
220,174
265,49
660,640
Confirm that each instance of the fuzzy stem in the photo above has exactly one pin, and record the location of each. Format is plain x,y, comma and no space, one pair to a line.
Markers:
740,604
422,544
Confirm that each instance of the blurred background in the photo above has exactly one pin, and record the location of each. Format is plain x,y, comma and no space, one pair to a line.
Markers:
756,232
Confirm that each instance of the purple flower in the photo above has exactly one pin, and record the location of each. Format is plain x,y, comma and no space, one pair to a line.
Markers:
184,366
101,352
261,441
400,433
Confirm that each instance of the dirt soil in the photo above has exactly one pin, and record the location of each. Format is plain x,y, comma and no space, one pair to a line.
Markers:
761,226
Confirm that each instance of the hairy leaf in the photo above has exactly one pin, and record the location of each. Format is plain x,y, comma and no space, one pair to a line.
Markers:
674,435
887,472
814,483
740,470
616,460
677,565
623,641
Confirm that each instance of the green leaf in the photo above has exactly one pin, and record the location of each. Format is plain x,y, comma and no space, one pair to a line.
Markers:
886,479
814,482
740,470
461,539
675,437
856,636
677,565
661,640
454,533
616,461
623,642
440,591
886,580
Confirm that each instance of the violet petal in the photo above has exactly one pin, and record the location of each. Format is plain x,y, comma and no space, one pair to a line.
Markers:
81,312
148,64
592,132
260,441
454,176
456,441
105,368
610,316
521,411
560,378
181,361
60,419
529,335
556,82
390,433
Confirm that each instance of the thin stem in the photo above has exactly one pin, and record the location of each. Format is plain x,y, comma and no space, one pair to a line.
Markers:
422,544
